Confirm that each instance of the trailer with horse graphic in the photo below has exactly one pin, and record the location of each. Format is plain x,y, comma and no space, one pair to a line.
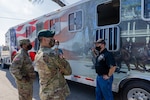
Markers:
123,24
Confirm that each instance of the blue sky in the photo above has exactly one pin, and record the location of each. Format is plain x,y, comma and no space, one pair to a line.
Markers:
14,12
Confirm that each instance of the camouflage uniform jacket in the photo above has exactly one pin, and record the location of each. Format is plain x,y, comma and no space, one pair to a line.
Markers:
21,67
51,70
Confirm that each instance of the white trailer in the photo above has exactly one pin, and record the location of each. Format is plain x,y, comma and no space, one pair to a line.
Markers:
124,24
5,56
6,51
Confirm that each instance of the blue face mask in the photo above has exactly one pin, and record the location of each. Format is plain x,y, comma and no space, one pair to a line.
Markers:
56,46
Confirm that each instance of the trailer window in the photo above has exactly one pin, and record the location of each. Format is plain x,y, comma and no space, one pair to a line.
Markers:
54,24
71,22
112,37
108,13
51,24
13,39
146,9
28,31
39,26
5,48
75,21
78,20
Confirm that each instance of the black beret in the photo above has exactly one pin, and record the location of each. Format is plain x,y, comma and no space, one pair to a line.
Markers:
46,33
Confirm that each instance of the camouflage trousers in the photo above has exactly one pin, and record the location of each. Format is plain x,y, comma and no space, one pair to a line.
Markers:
25,90
48,97
53,95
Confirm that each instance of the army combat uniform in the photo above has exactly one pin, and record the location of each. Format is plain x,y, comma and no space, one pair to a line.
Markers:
23,72
51,70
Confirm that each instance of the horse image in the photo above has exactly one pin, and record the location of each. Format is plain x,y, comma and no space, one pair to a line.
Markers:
132,54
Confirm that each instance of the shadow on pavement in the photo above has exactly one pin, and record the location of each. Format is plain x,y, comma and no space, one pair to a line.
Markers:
13,83
78,91
9,76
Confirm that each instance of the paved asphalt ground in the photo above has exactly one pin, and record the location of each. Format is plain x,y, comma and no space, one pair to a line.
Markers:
8,89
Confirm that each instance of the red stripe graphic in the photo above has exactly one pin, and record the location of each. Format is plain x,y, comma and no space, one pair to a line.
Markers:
46,24
64,35
18,34
33,22
19,28
33,28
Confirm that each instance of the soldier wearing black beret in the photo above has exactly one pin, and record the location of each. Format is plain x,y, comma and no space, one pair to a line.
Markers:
51,69
45,35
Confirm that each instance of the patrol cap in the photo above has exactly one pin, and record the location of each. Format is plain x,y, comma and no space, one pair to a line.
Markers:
24,41
46,33
100,41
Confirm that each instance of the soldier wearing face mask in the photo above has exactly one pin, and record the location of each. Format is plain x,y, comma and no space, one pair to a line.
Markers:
51,69
23,71
105,67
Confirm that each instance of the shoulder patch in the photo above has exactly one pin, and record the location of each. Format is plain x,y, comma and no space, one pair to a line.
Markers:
45,57
16,59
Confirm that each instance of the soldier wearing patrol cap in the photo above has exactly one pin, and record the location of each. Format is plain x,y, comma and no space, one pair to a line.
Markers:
51,69
23,71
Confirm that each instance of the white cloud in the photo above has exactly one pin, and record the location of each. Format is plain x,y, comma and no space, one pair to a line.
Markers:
22,9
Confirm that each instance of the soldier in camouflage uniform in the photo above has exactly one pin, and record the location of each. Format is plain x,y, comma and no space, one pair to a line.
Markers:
51,69
23,71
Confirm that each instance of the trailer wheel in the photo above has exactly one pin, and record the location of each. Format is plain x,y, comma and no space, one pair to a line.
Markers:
136,91
2,64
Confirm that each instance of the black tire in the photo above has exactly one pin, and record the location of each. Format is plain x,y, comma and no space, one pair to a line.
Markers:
136,90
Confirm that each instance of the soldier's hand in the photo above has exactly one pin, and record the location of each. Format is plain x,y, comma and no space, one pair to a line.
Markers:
61,56
61,71
93,50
